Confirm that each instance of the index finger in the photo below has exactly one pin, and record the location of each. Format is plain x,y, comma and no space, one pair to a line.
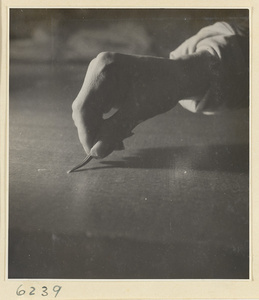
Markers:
88,122
88,106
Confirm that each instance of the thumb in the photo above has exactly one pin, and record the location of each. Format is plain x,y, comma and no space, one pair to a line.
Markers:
112,132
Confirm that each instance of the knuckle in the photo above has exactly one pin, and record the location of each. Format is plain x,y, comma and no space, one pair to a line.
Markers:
74,116
105,59
75,106
106,56
76,111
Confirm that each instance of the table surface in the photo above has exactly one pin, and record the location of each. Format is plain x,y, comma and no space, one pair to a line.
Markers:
173,204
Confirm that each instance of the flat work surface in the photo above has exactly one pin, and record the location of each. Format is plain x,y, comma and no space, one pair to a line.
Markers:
174,204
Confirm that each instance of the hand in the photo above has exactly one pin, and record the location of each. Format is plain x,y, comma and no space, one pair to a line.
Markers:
139,87
134,85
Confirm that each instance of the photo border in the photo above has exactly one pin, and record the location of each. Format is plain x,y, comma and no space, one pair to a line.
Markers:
133,289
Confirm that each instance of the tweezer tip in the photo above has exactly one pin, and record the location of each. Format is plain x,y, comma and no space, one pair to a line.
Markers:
84,162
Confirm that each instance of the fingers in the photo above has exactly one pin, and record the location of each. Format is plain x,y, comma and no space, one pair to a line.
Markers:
88,123
112,132
94,99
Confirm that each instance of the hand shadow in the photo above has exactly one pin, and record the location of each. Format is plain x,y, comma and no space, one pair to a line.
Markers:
222,158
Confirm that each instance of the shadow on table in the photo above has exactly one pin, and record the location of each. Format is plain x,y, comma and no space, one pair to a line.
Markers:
222,158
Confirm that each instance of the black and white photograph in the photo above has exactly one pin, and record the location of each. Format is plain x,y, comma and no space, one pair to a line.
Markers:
129,138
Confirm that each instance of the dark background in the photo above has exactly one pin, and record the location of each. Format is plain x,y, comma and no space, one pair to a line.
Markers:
174,204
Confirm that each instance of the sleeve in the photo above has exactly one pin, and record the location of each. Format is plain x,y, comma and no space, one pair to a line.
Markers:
229,87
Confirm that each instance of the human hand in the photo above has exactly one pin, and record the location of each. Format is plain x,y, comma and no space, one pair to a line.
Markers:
133,85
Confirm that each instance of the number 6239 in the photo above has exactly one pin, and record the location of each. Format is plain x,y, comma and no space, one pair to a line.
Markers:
44,291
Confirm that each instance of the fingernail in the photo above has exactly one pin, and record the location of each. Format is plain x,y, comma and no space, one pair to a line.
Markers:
100,150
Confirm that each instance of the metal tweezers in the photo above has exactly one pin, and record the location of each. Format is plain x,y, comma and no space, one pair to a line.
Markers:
83,163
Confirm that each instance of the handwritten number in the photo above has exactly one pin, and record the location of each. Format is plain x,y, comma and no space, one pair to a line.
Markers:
32,291
20,292
44,291
57,289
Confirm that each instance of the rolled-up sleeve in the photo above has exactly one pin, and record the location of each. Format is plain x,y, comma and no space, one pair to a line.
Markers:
229,84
